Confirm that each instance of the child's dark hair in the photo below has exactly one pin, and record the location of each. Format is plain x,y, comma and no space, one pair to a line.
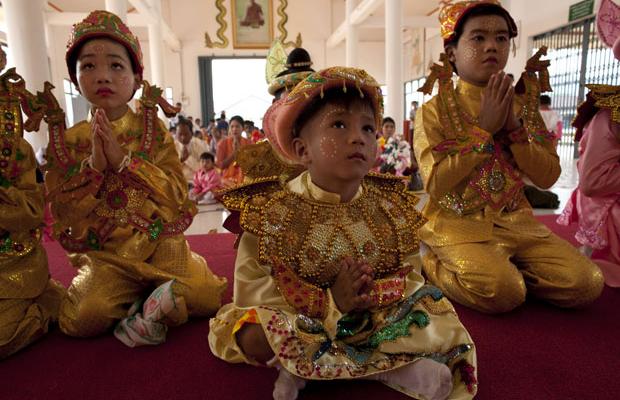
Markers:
207,156
388,119
545,100
335,94
186,122
480,11
238,119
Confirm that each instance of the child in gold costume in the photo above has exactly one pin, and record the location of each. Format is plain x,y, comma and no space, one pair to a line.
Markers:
327,276
475,144
29,299
120,200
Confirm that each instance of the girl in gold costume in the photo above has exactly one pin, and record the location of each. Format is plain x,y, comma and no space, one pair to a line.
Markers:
327,276
29,299
475,144
120,200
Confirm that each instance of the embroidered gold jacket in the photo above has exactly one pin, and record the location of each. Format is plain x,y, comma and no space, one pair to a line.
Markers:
474,179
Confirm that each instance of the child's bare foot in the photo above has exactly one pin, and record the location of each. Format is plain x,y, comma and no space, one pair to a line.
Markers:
431,379
287,385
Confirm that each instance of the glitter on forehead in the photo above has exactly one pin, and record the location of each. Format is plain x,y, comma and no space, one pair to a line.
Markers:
330,113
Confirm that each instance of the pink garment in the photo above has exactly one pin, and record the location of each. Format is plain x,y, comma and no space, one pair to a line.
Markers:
205,182
595,204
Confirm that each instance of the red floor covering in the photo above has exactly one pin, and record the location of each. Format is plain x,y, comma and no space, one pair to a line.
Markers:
535,352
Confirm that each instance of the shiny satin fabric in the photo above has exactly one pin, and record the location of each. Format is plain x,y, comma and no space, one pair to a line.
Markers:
295,337
487,257
29,299
130,262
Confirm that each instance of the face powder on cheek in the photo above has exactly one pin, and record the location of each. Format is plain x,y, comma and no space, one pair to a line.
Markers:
328,147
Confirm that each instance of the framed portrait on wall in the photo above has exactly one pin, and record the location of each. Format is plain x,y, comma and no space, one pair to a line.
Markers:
252,24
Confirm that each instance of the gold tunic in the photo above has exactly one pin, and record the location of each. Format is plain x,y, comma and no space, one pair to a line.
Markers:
29,299
124,230
295,236
486,246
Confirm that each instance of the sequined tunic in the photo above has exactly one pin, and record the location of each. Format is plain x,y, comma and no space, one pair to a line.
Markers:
486,247
29,299
124,230
294,236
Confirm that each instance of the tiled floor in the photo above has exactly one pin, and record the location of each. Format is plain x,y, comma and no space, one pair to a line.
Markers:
211,217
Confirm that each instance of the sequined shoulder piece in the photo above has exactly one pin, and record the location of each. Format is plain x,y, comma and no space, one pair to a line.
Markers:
394,188
250,194
607,96
260,160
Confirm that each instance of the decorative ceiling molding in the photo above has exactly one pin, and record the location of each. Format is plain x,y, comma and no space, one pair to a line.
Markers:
282,26
221,32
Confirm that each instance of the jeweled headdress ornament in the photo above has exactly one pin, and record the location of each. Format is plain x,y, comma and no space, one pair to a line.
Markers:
284,72
103,24
451,16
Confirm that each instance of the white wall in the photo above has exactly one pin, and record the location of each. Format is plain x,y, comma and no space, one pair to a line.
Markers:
315,20
533,17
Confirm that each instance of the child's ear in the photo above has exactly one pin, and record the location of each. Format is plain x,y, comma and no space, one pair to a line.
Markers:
137,81
450,51
300,149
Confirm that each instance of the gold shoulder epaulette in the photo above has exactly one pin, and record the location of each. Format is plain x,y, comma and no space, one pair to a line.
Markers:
235,198
607,96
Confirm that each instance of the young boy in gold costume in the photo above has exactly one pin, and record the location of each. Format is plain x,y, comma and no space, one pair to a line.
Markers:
120,200
475,144
327,276
29,299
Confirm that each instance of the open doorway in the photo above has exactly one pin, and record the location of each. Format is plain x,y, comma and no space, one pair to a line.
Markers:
235,85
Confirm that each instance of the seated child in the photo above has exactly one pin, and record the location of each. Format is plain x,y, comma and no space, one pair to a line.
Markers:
206,180
120,199
327,276
29,299
475,143
595,204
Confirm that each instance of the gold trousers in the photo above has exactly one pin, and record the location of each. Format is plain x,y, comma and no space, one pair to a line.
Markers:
25,314
107,285
494,276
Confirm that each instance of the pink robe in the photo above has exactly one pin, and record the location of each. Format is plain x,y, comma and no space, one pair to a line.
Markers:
595,203
205,182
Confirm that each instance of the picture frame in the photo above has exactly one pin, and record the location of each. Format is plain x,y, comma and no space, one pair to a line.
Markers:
252,24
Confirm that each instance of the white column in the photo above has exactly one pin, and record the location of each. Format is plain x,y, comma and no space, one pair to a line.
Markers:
393,61
156,48
25,31
352,35
118,7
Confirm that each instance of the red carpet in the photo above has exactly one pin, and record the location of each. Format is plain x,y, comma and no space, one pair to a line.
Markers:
535,352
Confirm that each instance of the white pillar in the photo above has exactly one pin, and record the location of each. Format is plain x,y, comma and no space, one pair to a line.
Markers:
118,7
394,60
352,36
25,32
156,48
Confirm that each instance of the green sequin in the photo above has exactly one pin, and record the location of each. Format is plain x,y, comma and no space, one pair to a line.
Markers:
6,244
5,183
142,155
72,170
19,155
399,329
155,229
93,240
351,324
